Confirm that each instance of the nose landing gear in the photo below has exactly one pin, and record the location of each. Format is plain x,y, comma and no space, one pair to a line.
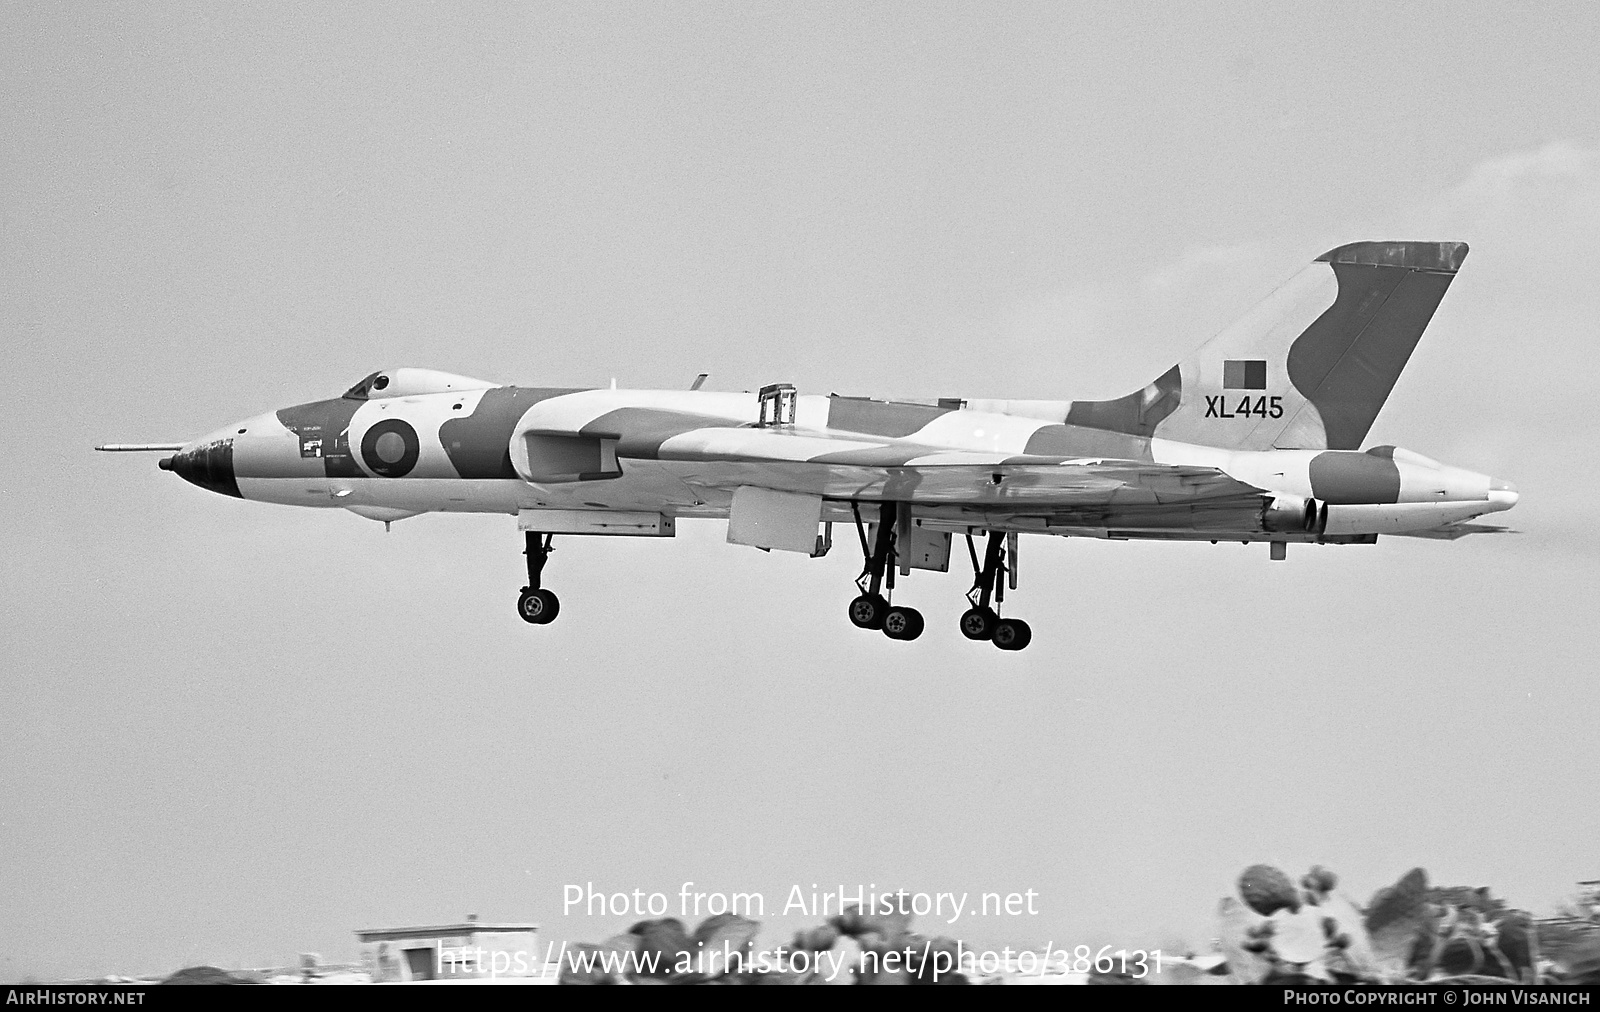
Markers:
872,609
536,605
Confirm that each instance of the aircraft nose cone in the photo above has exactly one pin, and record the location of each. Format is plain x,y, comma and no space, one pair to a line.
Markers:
208,465
1503,494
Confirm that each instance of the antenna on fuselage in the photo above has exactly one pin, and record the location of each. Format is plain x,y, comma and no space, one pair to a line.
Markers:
699,381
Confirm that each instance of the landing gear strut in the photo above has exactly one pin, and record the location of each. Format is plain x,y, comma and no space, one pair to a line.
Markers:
872,609
981,621
535,604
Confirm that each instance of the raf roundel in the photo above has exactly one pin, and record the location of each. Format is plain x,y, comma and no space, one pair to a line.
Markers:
390,448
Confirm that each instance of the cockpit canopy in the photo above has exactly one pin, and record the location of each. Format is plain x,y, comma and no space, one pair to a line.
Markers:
409,382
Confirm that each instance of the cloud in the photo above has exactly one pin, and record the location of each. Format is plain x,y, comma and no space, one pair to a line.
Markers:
1121,333
1199,264
1526,304
1500,184
1531,217
1539,206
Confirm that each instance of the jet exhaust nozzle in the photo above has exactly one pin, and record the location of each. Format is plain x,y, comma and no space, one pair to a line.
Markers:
1293,514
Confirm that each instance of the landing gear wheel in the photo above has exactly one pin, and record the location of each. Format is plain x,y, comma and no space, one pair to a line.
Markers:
538,607
868,611
902,623
1012,634
979,623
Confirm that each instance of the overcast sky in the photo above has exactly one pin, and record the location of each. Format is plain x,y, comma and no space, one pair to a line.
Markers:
235,732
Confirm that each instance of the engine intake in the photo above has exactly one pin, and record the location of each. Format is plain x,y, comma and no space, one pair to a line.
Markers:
555,457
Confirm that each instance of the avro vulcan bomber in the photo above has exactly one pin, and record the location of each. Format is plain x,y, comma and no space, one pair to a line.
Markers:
1256,437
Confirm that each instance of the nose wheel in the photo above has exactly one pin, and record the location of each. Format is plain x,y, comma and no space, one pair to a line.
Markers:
536,605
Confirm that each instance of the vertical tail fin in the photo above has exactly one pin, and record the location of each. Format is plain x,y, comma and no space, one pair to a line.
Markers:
1309,367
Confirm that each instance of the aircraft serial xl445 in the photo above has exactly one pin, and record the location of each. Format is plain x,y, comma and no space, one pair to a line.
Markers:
1255,437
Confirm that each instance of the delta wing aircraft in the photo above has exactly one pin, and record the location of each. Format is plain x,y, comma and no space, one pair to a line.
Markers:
1255,437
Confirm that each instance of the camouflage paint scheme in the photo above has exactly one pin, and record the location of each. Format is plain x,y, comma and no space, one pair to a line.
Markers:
1256,436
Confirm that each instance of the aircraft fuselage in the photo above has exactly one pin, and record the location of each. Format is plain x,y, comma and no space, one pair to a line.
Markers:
681,453
1256,436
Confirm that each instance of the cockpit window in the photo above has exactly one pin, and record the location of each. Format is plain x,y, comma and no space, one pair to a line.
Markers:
359,392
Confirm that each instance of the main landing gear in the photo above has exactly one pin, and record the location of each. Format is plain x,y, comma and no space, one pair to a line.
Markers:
982,622
535,604
872,609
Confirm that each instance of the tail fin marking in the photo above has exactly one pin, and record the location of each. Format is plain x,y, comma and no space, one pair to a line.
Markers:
1309,367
